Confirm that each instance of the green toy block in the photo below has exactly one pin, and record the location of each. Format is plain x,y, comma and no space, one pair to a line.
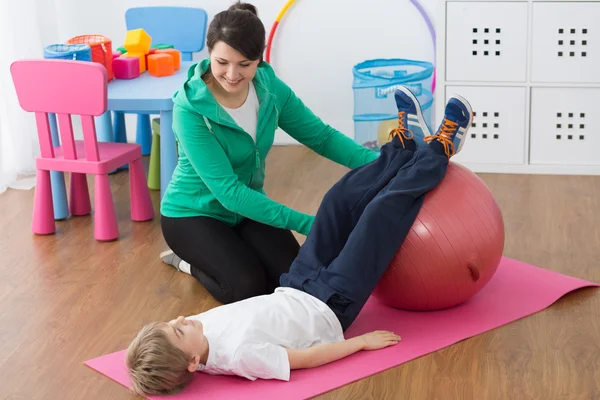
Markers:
162,46
123,50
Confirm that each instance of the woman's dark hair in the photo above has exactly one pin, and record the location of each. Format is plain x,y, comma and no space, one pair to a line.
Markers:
240,28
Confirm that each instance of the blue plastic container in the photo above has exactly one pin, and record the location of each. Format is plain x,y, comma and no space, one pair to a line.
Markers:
79,52
375,82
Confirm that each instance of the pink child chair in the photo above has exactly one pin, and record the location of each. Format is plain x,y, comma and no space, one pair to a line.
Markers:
70,88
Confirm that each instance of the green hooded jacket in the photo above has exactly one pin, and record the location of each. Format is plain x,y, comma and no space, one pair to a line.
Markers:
221,170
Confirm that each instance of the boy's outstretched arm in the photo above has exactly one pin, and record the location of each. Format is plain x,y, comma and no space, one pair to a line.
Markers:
326,353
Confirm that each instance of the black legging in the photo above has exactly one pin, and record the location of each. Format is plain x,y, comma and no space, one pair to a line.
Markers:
232,263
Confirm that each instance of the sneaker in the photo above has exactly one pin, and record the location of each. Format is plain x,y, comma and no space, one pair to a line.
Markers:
452,132
409,111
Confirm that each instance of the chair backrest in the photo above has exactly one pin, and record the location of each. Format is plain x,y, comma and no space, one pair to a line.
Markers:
65,88
183,27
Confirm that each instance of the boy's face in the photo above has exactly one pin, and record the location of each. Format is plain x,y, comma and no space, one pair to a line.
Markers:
187,335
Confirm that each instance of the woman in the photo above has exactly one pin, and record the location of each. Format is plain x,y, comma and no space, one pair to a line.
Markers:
215,213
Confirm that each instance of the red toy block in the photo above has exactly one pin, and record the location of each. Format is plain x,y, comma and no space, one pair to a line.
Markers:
176,54
160,64
126,67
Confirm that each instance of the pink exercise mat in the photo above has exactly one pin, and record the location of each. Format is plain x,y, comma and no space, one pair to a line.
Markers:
517,290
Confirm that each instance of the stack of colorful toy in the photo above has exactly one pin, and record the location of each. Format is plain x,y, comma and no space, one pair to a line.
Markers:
138,56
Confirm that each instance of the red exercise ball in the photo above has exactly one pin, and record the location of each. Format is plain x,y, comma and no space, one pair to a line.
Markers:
452,250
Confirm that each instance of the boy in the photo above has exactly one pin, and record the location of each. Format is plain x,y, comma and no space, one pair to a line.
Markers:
358,228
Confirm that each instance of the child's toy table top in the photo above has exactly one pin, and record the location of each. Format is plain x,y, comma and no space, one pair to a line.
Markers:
146,93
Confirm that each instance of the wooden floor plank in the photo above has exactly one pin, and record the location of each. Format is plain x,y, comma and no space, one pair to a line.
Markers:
66,298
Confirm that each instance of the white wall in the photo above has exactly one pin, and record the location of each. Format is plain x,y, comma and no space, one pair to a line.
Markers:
315,46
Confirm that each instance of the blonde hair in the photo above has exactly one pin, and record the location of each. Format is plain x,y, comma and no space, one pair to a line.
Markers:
156,366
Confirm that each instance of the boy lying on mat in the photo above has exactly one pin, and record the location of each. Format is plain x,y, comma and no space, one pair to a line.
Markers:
358,228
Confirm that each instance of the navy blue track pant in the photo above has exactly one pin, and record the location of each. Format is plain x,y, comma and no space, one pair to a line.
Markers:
360,225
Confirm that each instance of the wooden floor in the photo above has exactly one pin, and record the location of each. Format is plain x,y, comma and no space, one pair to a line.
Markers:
67,298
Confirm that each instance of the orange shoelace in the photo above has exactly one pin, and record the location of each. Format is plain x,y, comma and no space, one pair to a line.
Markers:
445,136
401,131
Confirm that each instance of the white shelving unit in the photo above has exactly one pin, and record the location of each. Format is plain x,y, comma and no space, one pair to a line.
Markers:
531,71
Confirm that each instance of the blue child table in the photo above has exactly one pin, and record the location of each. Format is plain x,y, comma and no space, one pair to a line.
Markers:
145,95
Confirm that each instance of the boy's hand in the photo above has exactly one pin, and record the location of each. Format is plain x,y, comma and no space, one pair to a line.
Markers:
379,339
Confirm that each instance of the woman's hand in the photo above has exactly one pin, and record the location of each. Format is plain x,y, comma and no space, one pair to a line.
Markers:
379,339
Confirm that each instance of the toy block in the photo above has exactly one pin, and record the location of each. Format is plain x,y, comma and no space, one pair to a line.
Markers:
162,46
137,41
151,51
122,50
176,54
160,65
126,67
116,54
141,57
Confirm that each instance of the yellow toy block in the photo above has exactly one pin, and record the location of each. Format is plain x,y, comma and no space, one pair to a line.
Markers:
141,56
137,41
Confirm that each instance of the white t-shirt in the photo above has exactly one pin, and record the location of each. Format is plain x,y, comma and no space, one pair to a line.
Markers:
246,116
248,338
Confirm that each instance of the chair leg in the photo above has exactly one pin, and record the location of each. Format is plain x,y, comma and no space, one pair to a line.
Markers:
80,196
105,218
119,127
120,131
59,195
57,178
154,167
141,203
143,135
43,209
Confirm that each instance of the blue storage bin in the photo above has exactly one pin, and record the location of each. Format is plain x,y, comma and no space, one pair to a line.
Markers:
79,52
374,85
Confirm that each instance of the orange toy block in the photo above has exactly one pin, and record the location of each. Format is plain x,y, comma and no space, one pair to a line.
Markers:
160,64
176,54
141,56
152,51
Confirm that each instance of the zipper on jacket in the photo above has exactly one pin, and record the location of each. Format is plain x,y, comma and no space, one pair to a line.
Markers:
256,154
208,125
